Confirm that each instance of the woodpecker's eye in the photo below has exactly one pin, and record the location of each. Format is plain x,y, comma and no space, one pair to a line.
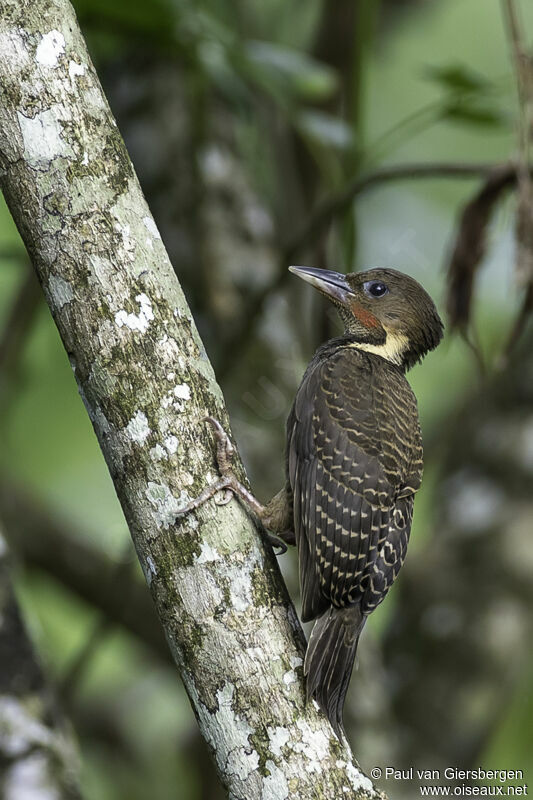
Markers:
375,288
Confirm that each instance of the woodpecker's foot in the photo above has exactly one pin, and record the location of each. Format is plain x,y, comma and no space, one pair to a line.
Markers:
225,449
221,484
272,516
228,482
280,540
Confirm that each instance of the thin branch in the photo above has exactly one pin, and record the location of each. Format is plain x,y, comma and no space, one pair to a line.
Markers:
523,68
518,328
524,84
471,243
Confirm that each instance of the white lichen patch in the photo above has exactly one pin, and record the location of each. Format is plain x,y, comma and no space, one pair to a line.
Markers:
360,783
314,745
207,554
183,391
50,49
42,137
60,290
151,227
138,429
171,444
20,730
75,70
275,786
137,322
228,733
166,505
290,676
278,738
158,453
177,397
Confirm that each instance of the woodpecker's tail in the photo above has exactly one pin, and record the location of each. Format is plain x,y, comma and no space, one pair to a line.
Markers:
330,657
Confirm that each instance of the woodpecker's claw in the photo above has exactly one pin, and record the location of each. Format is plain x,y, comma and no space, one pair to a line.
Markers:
225,449
224,500
220,485
229,484
275,542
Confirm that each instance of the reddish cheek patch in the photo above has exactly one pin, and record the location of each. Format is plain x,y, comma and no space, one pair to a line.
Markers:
365,317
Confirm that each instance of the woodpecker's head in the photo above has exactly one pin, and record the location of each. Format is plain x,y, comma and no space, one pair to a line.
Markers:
387,312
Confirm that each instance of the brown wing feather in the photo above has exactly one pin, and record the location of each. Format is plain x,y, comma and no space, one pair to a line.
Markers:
354,462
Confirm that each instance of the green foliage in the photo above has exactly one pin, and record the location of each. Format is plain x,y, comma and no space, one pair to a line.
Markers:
479,115
458,78
469,97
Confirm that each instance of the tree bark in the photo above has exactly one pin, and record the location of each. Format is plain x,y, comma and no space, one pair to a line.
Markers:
37,752
146,383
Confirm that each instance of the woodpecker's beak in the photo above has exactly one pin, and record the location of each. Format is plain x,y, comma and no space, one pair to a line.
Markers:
333,284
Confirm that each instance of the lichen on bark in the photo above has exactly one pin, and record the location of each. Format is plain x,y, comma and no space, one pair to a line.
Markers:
146,382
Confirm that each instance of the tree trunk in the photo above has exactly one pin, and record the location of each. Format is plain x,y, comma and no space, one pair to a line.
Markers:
146,383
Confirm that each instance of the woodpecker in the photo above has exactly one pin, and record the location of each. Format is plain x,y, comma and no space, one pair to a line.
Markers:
353,466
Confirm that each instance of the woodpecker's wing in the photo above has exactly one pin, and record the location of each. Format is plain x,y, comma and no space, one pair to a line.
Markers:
354,462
